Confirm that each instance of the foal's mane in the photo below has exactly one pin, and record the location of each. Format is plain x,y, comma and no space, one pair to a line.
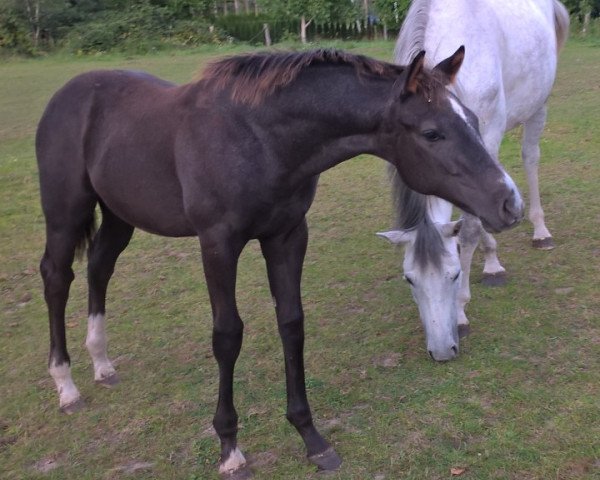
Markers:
252,77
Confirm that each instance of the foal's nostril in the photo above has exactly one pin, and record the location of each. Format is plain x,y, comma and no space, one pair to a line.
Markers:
512,208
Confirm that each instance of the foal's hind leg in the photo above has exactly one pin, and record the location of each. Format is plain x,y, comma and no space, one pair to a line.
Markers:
62,237
530,150
110,240
284,256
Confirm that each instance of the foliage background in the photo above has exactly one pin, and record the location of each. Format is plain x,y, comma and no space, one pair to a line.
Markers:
30,27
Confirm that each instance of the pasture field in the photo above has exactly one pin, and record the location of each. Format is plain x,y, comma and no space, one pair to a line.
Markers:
521,402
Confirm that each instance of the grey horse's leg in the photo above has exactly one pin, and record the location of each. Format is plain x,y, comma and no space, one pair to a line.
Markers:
530,151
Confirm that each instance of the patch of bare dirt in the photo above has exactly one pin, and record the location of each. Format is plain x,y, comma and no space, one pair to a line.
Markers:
177,407
387,360
132,467
263,459
47,464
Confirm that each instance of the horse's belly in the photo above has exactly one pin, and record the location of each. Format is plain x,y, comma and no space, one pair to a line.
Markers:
147,196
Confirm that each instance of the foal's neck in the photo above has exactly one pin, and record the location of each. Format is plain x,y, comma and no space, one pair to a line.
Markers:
336,114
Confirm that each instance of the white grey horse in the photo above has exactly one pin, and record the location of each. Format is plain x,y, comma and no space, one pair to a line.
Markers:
509,68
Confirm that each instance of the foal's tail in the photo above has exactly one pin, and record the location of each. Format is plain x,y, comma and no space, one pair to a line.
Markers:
561,24
87,233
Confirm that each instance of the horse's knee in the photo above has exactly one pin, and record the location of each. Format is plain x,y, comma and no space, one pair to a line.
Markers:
53,274
227,344
291,325
530,155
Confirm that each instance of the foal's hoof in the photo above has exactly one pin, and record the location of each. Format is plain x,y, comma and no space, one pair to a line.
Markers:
234,466
73,407
108,382
242,473
543,243
494,279
464,330
327,460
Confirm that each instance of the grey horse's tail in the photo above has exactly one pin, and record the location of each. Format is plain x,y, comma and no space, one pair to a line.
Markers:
561,24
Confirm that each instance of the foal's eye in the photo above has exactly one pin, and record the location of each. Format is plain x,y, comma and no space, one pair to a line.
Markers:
410,282
432,135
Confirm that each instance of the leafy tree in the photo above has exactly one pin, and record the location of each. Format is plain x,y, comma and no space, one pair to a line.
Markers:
391,12
307,11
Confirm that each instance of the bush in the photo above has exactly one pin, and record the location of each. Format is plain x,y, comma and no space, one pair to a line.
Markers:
247,28
138,30
576,28
14,35
188,33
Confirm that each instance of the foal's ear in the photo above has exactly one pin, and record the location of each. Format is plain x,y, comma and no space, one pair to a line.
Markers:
415,68
450,67
397,237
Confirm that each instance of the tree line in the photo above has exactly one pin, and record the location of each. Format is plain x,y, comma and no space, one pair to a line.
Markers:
88,26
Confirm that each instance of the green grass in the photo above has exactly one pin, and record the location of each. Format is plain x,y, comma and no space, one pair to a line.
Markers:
522,401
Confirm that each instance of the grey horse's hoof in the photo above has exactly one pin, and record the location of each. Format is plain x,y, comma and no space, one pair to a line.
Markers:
73,407
494,279
543,243
327,460
464,330
110,381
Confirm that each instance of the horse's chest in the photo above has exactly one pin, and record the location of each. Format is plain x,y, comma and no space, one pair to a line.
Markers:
278,214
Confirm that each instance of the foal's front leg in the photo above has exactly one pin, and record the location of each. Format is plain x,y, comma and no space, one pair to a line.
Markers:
284,256
219,257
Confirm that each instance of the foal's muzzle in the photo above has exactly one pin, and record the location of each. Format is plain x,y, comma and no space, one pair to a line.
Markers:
513,209
510,212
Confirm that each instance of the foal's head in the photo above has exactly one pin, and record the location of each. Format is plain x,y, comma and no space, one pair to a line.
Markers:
434,142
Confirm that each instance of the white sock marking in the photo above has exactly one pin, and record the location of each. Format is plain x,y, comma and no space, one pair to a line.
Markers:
96,344
67,391
233,462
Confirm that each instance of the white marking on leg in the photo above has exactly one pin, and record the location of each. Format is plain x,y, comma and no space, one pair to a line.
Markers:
234,461
96,344
67,391
492,264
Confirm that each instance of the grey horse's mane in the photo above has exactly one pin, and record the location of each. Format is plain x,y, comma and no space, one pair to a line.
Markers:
410,210
410,207
412,34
